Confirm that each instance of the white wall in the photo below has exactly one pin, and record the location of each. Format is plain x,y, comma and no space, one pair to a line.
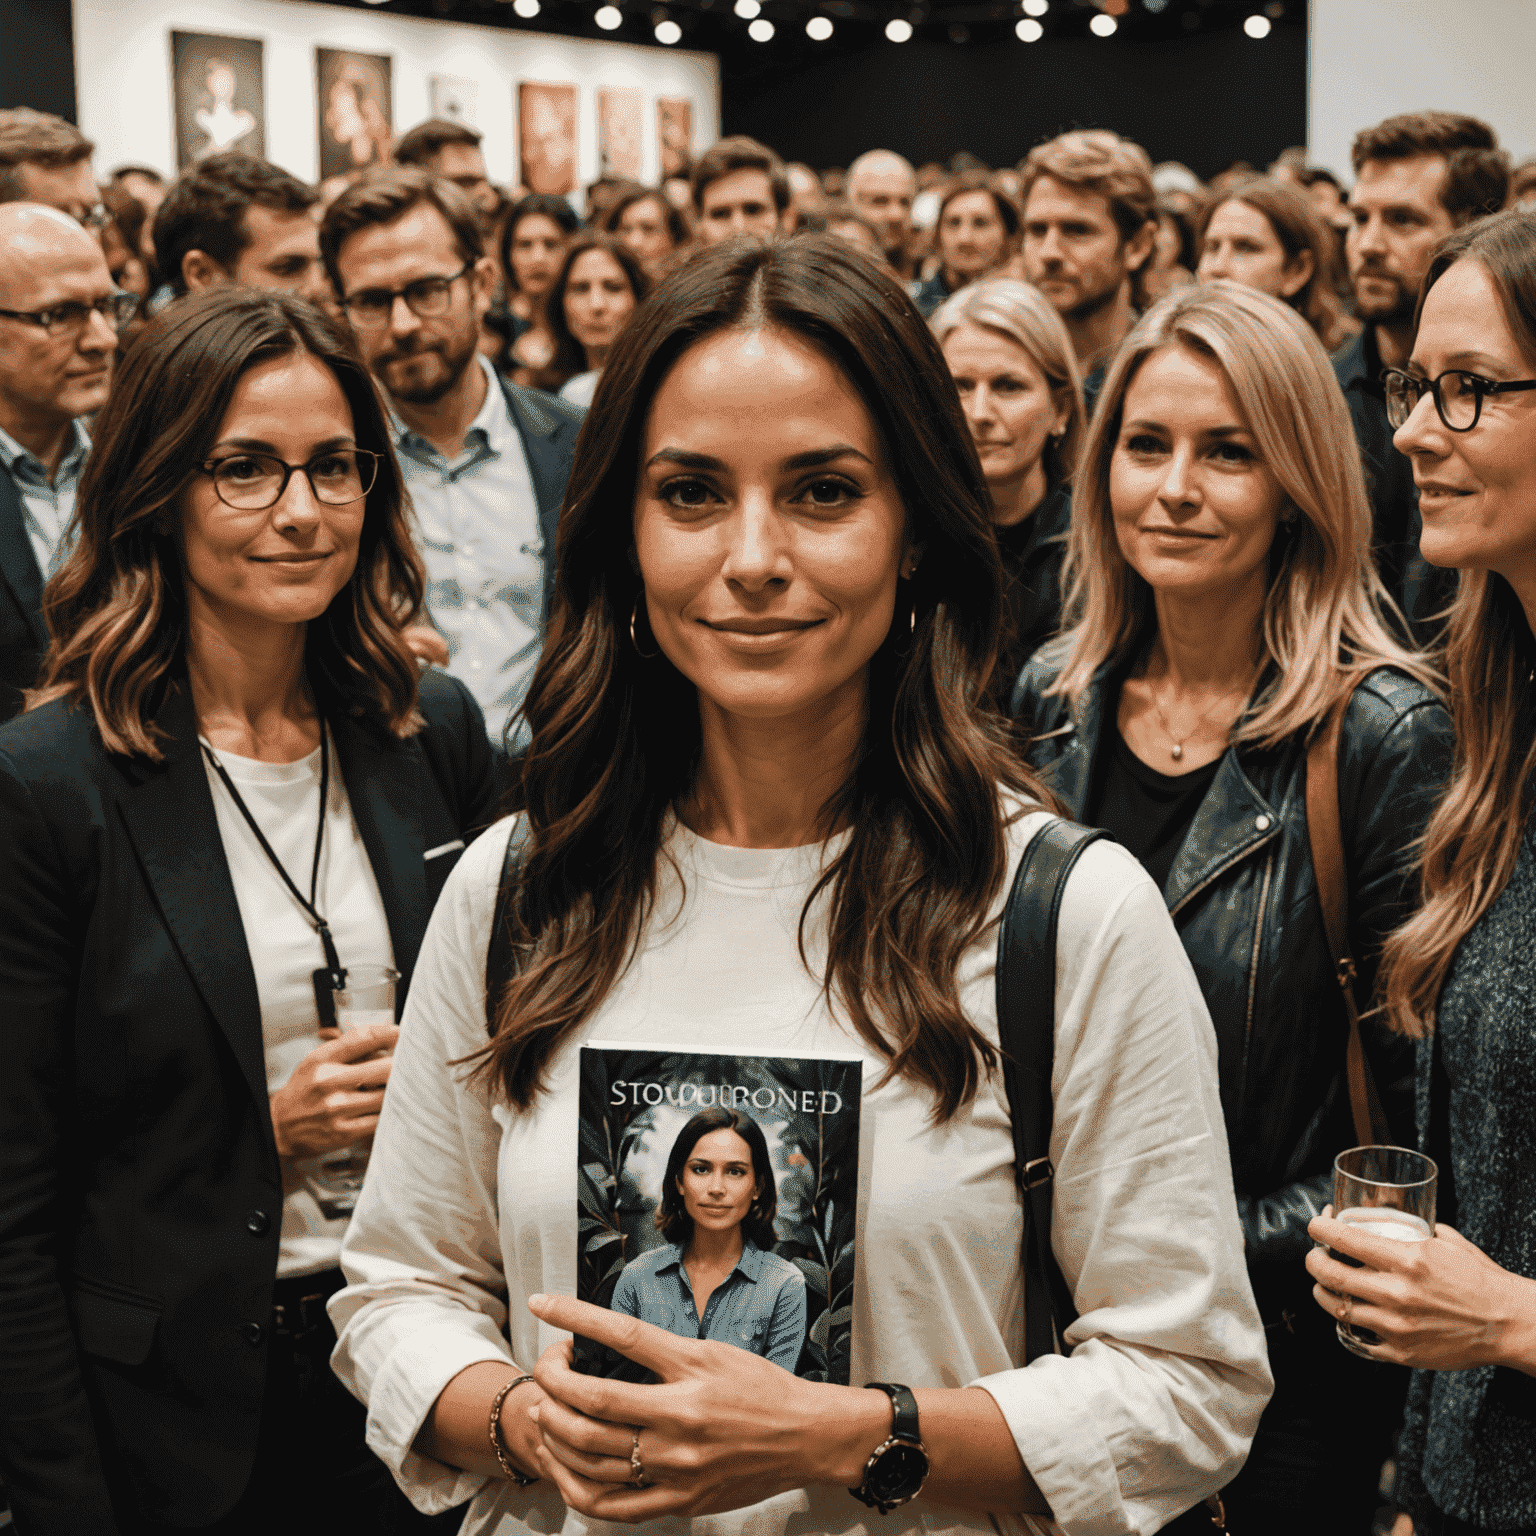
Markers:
1369,59
123,76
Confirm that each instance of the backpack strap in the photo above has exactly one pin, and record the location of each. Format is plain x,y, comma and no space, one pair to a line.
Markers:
1026,1031
498,954
1326,837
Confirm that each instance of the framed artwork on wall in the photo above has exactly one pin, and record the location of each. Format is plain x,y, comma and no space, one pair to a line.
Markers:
620,110
355,108
219,96
546,136
674,135
454,97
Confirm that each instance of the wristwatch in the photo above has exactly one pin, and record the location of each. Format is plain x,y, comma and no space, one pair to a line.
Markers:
895,1474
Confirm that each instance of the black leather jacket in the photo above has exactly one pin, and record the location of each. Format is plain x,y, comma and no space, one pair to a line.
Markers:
1242,895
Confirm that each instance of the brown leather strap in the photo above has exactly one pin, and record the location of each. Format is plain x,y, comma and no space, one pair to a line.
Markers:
1327,839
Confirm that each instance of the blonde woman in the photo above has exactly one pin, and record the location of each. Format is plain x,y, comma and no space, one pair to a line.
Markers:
1222,607
1013,364
1458,974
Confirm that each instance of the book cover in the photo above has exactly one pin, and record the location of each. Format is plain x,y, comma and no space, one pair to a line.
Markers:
716,1198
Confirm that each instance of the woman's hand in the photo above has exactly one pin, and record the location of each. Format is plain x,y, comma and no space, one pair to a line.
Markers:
1439,1305
723,1429
335,1094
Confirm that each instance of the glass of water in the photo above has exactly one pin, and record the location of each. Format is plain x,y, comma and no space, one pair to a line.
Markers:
335,1178
1387,1192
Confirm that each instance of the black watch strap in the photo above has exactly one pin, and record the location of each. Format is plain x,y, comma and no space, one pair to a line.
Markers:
903,1409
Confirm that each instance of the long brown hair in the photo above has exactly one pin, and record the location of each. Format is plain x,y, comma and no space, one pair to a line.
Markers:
1299,227
570,357
1323,622
616,738
116,610
1473,839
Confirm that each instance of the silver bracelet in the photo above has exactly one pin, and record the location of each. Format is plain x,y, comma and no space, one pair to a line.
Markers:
498,1444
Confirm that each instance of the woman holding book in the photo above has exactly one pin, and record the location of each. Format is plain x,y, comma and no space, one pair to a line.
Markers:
769,811
1224,614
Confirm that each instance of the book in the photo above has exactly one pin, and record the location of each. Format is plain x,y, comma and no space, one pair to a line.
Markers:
685,1157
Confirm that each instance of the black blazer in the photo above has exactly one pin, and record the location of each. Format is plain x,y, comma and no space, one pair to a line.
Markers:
548,427
140,1191
23,637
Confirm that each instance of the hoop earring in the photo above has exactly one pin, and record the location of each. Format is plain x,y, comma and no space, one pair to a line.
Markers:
634,614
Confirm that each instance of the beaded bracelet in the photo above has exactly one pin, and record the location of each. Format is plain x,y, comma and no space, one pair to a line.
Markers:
498,1444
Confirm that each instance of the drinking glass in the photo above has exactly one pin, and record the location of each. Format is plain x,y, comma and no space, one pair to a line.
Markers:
335,1178
1388,1192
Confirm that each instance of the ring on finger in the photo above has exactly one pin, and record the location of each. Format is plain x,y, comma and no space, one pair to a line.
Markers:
636,1465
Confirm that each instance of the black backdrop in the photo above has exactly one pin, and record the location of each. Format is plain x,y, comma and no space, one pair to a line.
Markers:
1206,99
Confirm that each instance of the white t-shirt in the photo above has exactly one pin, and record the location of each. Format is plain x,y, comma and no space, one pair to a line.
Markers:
470,1207
284,947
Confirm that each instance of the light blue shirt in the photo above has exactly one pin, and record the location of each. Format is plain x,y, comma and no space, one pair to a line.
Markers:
759,1306
46,506
480,538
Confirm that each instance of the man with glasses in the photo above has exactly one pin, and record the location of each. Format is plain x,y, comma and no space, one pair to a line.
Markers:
60,313
45,160
485,461
1419,176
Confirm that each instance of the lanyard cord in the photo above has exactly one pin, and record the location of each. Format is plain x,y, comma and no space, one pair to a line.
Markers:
311,911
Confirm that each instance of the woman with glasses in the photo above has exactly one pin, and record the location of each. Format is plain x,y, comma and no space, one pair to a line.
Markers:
232,793
1222,616
1459,975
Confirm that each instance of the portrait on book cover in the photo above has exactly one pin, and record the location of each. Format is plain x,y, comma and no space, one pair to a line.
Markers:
716,1199
356,110
546,136
220,102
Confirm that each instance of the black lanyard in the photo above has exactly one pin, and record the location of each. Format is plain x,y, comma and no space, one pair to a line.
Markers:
331,978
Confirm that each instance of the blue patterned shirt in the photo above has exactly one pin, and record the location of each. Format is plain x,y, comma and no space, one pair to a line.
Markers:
759,1306
46,505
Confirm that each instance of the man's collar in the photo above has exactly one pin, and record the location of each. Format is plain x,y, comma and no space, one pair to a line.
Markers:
493,418
79,445
1360,362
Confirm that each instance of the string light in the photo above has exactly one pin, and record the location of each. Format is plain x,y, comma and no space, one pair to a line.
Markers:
819,28
761,30
1257,26
1036,7
608,17
1102,25
898,31
527,9
1029,31
668,32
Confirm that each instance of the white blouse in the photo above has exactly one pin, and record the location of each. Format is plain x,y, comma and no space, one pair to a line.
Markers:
470,1207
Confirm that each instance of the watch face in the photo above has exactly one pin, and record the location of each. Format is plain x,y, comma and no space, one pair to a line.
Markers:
898,1474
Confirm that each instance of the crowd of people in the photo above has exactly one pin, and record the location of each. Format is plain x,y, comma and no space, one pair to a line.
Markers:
676,622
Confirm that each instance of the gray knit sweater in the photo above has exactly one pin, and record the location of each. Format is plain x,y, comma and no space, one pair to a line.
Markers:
1469,1437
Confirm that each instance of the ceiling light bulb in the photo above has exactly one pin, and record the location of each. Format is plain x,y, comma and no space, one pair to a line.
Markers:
747,9
527,9
1036,7
760,30
819,28
1102,25
898,31
1029,31
668,32
608,17
1257,26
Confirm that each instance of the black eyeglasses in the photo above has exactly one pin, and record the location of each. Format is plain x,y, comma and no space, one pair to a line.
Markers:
251,482
426,298
117,309
1458,395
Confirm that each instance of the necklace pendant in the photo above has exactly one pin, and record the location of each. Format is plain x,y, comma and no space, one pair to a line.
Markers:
1177,750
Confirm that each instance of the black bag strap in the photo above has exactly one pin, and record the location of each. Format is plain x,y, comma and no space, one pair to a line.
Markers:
498,953
1026,1031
